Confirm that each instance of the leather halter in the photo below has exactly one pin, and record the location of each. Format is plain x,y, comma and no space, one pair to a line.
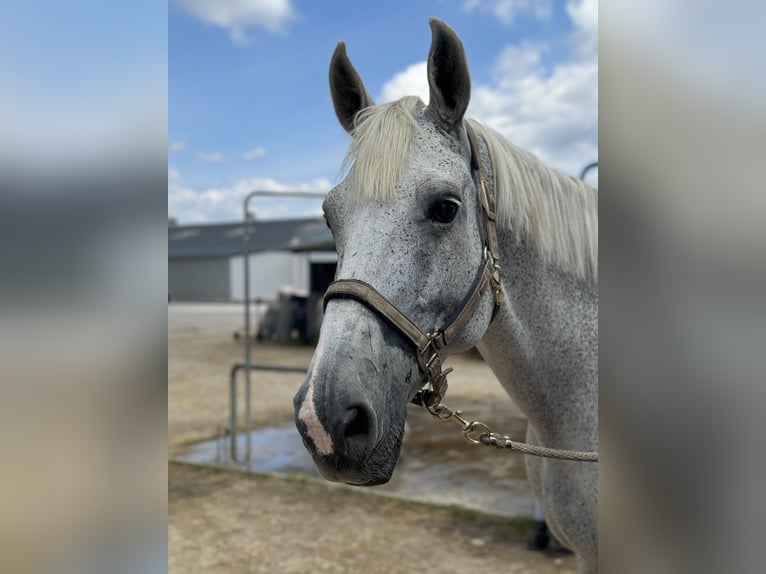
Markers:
429,344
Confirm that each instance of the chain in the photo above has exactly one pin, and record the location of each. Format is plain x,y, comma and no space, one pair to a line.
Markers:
477,432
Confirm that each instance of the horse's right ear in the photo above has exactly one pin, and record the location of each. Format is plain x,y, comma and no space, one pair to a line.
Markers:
348,93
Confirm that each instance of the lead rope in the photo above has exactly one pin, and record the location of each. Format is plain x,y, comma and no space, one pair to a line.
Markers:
476,432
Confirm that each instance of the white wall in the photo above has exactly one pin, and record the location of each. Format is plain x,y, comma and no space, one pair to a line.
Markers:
271,270
268,272
300,277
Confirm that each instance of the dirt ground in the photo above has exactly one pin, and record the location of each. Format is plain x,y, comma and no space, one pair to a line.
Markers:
228,521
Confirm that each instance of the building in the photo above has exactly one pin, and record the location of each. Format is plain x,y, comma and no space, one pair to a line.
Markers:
205,262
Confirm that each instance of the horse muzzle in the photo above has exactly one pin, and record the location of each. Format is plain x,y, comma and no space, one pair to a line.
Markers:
343,436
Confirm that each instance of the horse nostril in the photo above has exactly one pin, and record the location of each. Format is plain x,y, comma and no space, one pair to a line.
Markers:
358,423
358,429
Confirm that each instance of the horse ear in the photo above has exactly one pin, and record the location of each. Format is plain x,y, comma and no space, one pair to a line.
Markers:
349,95
448,78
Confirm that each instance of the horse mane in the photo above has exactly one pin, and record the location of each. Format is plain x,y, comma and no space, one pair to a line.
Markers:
555,213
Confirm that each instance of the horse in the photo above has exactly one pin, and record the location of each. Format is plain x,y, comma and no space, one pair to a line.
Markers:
427,195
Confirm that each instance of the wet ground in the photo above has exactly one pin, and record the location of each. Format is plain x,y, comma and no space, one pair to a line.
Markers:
436,465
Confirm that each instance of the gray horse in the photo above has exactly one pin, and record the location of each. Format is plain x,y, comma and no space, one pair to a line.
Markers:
408,221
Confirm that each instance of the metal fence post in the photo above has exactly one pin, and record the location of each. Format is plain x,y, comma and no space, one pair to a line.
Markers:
587,168
247,219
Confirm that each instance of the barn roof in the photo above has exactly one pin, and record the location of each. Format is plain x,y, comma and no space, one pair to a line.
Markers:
225,239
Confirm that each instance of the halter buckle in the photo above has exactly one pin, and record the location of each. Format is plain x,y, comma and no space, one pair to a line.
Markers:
495,279
430,365
428,360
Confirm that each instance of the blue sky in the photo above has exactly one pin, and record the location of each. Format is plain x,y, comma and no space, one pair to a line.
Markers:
249,105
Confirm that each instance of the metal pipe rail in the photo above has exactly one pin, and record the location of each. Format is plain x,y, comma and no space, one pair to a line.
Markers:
235,368
248,366
587,168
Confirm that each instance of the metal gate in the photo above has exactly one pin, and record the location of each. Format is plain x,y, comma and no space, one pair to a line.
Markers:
247,366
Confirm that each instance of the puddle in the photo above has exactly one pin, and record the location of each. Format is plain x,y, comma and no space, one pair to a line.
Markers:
436,464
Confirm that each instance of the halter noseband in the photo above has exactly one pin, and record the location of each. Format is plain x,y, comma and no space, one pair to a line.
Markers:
429,344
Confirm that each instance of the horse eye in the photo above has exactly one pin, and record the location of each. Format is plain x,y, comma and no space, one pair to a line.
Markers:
444,209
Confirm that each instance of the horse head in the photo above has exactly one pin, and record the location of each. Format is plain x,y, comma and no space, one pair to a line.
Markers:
407,220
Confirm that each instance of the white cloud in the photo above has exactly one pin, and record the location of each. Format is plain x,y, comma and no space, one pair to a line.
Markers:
177,145
237,16
584,16
254,153
190,205
517,63
212,156
552,112
413,81
507,10
173,175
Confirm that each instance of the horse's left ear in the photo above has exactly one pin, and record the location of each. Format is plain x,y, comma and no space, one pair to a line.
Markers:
448,78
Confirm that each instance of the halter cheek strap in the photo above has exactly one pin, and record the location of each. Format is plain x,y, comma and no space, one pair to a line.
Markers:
429,344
